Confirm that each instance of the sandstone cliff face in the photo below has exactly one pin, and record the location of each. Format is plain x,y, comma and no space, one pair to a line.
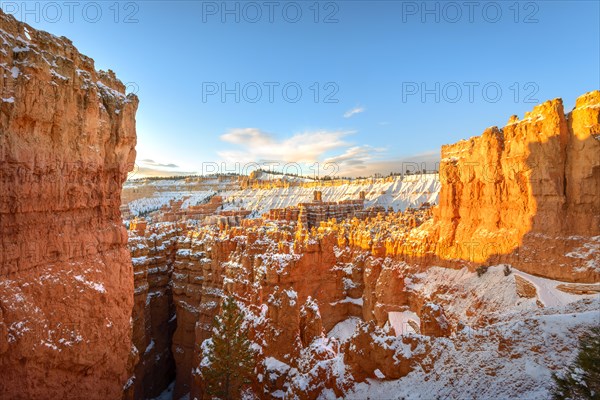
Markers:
526,195
67,137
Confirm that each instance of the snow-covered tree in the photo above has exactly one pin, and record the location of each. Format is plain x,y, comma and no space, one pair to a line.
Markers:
228,358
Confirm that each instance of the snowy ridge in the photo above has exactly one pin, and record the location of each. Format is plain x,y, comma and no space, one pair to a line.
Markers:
160,199
398,193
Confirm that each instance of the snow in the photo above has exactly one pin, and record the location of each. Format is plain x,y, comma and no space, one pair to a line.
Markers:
589,251
491,292
379,374
273,364
99,287
150,346
57,75
129,383
358,301
8,99
292,295
345,329
349,284
399,321
397,192
278,261
110,91
547,292
513,356
475,367
160,199
269,176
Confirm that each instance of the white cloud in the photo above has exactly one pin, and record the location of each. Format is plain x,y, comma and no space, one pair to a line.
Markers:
354,111
152,163
144,172
429,160
252,145
307,147
355,156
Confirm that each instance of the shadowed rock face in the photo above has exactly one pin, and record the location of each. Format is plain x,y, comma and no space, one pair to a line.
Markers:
153,314
67,138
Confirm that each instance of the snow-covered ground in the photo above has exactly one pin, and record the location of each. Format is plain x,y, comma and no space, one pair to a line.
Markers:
511,356
474,365
344,329
547,292
148,204
268,176
400,321
398,193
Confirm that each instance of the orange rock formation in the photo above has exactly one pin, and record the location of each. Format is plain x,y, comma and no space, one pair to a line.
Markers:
67,137
526,194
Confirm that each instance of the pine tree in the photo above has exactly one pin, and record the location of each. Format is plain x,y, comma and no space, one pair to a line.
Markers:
228,359
582,378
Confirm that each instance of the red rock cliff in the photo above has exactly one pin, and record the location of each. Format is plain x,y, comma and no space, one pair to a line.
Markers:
528,193
67,137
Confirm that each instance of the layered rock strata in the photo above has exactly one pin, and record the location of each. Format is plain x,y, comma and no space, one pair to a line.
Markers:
67,138
528,192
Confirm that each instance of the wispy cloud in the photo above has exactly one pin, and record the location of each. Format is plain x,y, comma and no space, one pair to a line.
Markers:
252,145
144,172
148,167
353,112
152,163
304,147
426,160
355,156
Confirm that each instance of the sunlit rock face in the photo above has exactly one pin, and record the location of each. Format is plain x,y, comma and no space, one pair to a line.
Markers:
67,138
525,194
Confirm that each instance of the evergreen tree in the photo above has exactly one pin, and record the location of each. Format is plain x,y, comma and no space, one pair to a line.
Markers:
228,359
582,378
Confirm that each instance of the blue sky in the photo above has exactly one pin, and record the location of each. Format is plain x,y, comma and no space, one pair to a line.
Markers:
370,61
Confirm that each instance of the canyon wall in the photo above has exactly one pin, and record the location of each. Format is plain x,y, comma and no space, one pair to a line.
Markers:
153,315
67,138
526,195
